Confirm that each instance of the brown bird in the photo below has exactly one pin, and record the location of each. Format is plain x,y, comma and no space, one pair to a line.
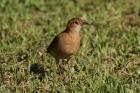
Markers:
66,43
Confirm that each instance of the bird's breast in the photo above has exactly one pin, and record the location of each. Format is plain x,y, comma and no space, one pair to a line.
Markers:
69,43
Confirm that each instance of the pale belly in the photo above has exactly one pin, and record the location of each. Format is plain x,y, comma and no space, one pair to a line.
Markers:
67,50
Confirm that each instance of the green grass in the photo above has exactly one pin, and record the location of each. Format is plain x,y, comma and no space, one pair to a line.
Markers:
108,60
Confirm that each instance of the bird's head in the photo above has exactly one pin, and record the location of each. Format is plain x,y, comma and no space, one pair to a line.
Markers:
76,24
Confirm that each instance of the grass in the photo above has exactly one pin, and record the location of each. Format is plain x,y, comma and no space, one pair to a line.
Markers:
108,60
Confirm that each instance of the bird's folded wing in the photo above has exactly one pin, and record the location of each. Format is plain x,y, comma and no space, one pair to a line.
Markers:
52,45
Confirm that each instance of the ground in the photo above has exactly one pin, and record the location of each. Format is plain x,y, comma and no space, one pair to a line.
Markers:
108,60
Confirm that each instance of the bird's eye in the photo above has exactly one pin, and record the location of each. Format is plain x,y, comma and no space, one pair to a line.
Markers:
76,22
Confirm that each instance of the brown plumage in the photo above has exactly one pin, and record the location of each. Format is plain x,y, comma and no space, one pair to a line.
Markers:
66,43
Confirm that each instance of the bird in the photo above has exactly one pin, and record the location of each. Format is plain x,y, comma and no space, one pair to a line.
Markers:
66,43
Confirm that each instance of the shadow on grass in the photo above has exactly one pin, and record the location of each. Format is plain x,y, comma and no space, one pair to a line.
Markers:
38,69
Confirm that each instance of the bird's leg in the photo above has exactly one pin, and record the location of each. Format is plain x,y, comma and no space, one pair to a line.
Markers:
68,64
57,61
55,79
69,69
57,64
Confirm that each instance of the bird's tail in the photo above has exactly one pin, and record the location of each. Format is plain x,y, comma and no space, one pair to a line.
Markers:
48,50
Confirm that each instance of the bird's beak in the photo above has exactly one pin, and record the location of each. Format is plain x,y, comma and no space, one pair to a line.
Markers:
85,23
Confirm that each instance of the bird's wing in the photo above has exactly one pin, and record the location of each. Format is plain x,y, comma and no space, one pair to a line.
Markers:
53,44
